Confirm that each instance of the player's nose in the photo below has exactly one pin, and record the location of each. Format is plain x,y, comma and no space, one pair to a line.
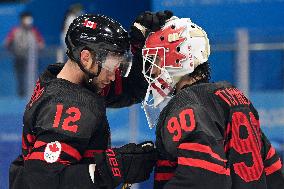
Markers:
111,76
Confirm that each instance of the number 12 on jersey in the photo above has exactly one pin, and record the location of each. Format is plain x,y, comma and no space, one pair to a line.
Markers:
74,115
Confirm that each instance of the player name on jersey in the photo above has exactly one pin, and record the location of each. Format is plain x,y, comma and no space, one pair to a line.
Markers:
232,96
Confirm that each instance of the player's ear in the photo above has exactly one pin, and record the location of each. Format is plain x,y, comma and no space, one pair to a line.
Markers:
86,59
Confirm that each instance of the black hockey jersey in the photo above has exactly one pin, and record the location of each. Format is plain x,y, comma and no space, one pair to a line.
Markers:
209,136
65,125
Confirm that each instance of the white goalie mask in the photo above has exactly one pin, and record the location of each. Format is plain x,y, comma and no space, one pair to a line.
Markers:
170,53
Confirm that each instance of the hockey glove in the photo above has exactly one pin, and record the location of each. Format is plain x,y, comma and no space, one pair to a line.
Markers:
144,24
131,163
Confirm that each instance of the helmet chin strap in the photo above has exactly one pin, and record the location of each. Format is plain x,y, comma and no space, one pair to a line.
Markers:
91,76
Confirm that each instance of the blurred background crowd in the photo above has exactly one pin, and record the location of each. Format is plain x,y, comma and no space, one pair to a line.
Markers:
247,44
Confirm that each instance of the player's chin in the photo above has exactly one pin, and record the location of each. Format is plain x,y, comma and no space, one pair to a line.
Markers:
102,85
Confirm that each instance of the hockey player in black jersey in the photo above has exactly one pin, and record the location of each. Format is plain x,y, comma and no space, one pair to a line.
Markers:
208,135
66,137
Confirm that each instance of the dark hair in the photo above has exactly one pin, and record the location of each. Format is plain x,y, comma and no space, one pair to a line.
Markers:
202,71
25,14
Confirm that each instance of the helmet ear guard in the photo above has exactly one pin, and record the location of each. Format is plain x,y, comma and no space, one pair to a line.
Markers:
74,53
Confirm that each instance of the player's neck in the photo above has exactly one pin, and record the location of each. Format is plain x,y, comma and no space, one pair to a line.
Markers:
71,72
186,81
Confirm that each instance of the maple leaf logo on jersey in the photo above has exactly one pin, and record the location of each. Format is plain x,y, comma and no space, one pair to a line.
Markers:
53,148
52,152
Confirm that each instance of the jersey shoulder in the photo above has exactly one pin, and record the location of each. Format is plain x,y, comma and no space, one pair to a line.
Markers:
195,109
202,95
65,108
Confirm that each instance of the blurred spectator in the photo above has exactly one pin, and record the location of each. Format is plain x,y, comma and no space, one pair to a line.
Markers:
23,41
73,12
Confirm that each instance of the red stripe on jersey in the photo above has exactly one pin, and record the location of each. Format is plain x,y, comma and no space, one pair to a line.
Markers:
270,153
274,167
24,146
71,151
163,176
24,157
30,138
36,155
204,165
166,163
201,148
65,148
227,146
227,132
39,144
90,153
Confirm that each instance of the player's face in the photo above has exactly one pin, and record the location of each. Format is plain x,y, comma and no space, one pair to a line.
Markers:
108,71
154,68
104,78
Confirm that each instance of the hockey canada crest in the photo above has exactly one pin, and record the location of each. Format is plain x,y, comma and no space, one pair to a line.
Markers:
52,152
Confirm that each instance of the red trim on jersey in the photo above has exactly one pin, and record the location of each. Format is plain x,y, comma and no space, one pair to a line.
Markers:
166,163
228,142
24,145
39,144
204,165
201,148
90,153
25,157
163,176
65,148
71,151
274,167
30,138
270,153
36,155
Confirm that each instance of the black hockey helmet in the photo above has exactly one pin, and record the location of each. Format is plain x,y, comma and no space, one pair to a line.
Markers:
97,33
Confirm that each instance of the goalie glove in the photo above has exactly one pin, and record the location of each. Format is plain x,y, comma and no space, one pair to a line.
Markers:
131,163
145,23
